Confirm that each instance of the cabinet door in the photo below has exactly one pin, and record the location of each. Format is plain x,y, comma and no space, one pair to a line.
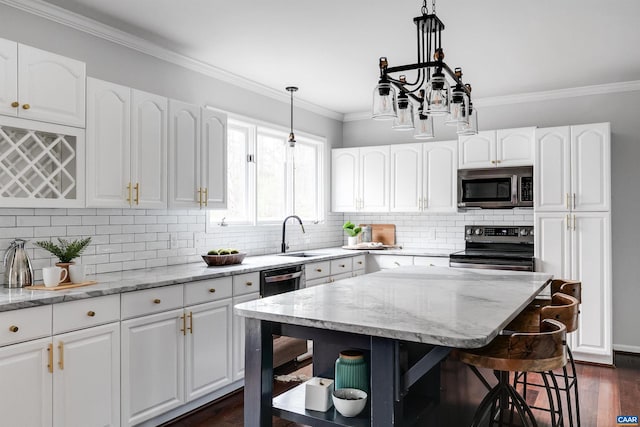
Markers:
591,247
152,366
374,179
553,244
26,384
208,348
477,151
53,87
184,155
591,167
406,177
86,384
149,150
440,175
552,177
515,147
214,159
108,144
344,179
238,337
8,77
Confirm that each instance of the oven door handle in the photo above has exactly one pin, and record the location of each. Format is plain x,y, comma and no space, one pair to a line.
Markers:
282,277
490,266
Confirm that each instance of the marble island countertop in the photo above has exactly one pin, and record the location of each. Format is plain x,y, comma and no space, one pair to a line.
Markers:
452,307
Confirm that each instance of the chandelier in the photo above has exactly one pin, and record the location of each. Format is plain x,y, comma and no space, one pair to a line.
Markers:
292,138
431,92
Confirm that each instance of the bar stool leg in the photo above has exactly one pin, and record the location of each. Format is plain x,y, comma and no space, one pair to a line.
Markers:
574,384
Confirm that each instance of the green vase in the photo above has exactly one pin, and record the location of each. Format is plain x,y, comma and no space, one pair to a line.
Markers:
351,371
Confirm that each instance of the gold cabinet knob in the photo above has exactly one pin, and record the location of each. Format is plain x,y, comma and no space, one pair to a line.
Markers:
319,270
91,313
360,262
15,104
249,283
13,328
26,106
212,290
157,301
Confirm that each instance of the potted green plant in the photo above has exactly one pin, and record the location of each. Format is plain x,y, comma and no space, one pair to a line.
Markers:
65,250
353,232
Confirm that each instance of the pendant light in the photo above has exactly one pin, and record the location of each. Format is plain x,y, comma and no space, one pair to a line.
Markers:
431,90
292,137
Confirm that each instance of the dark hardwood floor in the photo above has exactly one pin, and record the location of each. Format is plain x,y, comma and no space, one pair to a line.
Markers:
604,392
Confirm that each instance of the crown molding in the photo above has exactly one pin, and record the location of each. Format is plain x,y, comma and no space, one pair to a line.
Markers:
549,95
106,32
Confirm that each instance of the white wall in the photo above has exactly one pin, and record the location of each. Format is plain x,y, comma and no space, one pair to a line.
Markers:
623,111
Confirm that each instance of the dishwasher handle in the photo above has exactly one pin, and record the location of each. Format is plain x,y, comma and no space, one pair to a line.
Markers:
282,277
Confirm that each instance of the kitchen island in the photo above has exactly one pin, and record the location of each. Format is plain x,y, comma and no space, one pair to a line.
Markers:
406,320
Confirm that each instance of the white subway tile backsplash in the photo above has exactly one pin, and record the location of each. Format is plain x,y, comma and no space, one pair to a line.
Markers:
84,230
123,219
109,229
33,221
66,220
49,231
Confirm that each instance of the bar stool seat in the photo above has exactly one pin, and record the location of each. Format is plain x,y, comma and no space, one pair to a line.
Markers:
518,352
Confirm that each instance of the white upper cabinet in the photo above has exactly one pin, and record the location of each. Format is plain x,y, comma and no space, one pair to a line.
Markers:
573,168
360,179
126,147
423,177
40,85
497,148
214,159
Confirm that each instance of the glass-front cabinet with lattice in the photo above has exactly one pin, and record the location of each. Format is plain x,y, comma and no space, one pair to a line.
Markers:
41,164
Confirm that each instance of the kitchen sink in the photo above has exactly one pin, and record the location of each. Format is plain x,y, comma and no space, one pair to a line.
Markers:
300,254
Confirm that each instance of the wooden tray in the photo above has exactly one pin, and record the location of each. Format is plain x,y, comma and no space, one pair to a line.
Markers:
364,247
60,287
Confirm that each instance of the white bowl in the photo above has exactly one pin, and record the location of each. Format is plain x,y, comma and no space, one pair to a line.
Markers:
349,401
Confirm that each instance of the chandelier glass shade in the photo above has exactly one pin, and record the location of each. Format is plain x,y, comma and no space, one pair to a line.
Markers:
436,91
292,138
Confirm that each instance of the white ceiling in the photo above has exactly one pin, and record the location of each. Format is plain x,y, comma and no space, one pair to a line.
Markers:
330,48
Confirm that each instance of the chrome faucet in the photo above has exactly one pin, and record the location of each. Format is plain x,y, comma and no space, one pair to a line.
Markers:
284,246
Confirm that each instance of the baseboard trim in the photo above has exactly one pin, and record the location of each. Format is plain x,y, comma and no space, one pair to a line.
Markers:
634,349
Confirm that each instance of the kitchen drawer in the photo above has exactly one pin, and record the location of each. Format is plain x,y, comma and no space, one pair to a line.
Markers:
391,261
339,266
25,324
316,282
149,301
317,269
431,261
336,277
70,316
208,290
359,262
246,283
359,272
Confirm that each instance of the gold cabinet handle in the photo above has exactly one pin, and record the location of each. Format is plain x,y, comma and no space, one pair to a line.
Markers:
568,222
191,323
206,197
91,313
61,355
567,200
129,192
574,200
574,223
157,301
249,283
50,358
184,324
137,199
212,290
26,106
13,328
15,104
200,196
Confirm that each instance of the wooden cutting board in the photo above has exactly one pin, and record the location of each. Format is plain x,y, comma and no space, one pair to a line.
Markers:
383,233
60,287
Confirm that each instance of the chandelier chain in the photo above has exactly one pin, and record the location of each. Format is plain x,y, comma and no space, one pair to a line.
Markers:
433,7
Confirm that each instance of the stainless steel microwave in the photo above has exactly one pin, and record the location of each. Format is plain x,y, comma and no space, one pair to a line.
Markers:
495,188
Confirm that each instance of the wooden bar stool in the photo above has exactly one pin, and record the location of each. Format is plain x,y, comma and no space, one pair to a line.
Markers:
565,293
541,351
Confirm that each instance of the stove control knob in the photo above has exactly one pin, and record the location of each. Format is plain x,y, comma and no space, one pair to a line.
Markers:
523,232
469,231
477,231
531,232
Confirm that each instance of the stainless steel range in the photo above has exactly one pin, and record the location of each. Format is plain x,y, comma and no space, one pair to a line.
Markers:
496,247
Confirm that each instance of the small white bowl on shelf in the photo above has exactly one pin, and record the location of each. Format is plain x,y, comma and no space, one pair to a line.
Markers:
349,401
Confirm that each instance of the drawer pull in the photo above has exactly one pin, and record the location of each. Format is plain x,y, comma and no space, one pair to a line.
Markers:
319,270
396,263
190,327
249,283
91,313
13,328
342,266
360,262
157,301
26,106
15,104
212,290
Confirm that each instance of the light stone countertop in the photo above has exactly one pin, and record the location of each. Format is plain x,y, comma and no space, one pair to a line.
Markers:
464,308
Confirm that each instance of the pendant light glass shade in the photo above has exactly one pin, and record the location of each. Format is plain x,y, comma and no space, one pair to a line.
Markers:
404,111
384,106
470,126
458,108
424,126
436,100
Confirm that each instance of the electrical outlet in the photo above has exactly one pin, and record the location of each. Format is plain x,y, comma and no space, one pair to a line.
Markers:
173,241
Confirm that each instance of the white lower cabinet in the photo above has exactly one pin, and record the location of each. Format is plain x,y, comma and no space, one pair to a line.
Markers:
322,272
577,246
26,384
238,336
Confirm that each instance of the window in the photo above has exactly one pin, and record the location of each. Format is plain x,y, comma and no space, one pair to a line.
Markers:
267,179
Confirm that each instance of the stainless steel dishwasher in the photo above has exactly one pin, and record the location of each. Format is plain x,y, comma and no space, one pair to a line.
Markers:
280,280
